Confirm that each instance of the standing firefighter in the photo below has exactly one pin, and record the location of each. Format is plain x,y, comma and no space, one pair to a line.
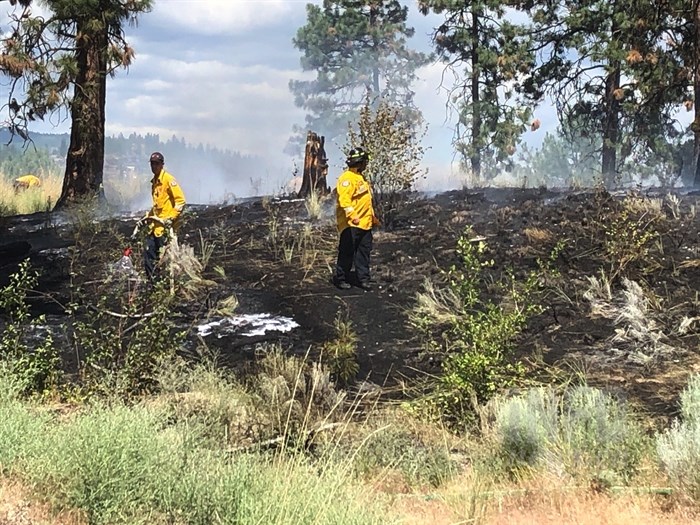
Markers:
355,216
168,202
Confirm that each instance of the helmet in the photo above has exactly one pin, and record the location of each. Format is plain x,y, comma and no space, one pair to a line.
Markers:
357,156
157,156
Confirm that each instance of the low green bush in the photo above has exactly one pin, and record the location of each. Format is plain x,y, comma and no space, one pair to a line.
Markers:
582,432
26,346
129,465
472,334
678,448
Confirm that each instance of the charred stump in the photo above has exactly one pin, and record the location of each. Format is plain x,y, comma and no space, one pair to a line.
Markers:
315,166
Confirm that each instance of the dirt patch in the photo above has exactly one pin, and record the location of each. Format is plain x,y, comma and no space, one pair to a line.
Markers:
18,507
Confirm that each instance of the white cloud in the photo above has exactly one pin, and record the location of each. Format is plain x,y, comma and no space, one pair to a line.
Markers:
222,16
245,109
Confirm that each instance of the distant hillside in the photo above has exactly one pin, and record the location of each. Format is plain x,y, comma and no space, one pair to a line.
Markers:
206,170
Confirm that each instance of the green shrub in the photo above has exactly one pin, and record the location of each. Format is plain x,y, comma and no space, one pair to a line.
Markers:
476,335
525,425
678,448
583,432
393,142
122,337
26,346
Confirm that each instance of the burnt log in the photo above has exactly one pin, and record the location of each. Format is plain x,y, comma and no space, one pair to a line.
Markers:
315,166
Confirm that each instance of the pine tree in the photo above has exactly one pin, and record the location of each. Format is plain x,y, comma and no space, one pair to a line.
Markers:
77,46
354,46
490,58
608,69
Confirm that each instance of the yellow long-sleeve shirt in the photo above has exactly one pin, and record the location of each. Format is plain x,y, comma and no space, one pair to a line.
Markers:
168,200
354,201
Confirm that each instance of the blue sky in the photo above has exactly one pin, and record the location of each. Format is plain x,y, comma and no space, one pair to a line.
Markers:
217,72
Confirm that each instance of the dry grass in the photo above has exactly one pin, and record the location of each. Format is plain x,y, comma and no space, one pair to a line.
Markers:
538,235
633,311
30,200
552,506
440,306
691,263
537,502
126,193
185,268
644,205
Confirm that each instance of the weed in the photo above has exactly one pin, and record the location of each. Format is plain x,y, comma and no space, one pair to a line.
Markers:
288,396
26,347
314,206
340,354
476,335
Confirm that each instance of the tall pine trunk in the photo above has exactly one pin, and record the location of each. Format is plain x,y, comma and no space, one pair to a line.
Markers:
85,157
696,85
611,127
475,157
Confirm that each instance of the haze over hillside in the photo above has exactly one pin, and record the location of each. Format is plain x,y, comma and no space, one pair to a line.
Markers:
208,174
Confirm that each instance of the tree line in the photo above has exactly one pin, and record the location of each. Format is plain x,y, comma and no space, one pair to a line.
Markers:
123,154
618,71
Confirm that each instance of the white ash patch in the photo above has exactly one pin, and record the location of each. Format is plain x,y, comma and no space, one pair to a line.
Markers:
248,325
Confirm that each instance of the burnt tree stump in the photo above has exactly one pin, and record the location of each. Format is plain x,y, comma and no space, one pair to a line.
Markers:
315,166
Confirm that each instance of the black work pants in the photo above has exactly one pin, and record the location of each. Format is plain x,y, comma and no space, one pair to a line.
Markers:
353,249
154,249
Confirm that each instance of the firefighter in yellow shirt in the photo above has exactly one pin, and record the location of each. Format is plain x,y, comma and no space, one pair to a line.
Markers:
25,182
355,217
168,203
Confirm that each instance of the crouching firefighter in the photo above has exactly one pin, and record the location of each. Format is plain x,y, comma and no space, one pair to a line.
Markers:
168,203
355,217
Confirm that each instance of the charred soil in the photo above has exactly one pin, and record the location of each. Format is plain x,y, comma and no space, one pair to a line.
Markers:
278,262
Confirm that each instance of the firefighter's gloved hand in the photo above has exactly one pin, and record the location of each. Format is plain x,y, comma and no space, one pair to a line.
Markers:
168,223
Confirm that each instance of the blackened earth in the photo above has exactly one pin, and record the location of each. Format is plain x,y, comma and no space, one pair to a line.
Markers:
520,227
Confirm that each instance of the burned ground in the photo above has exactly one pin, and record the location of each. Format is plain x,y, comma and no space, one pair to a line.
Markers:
277,261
